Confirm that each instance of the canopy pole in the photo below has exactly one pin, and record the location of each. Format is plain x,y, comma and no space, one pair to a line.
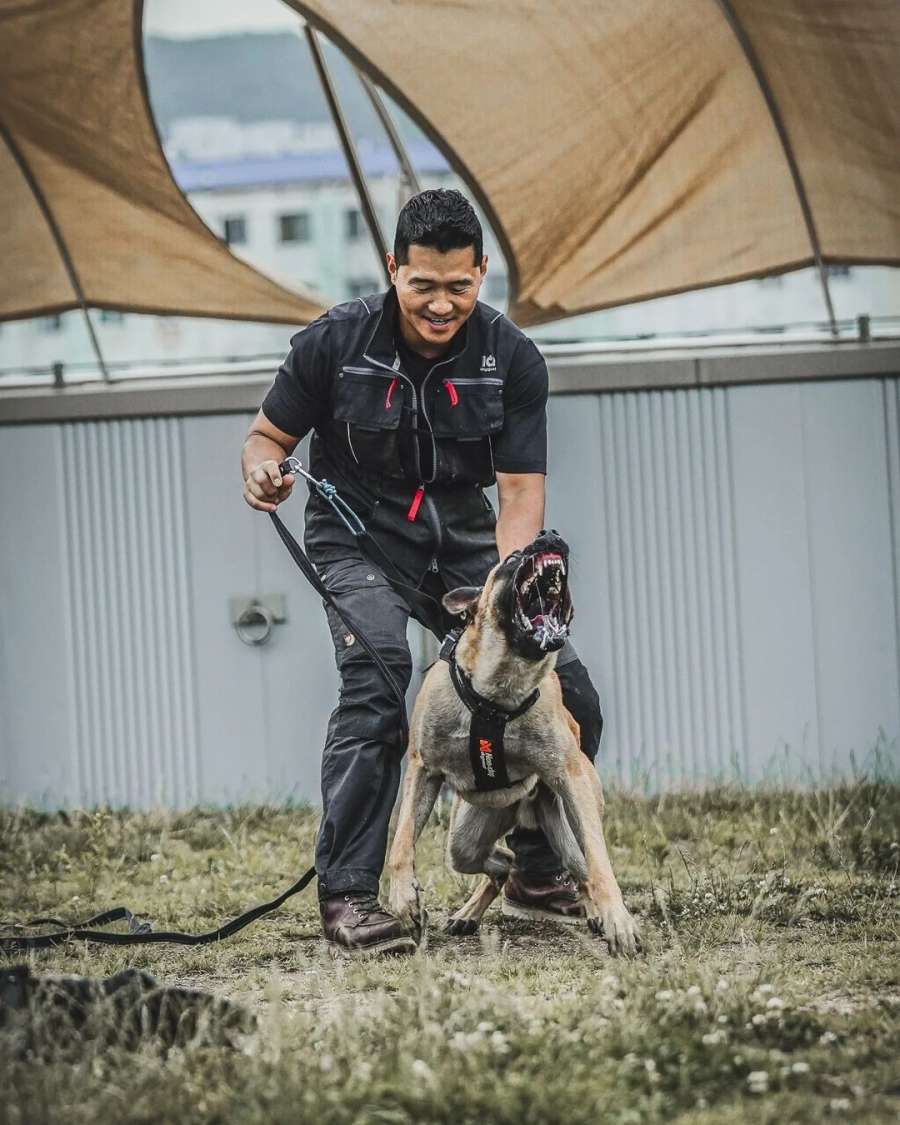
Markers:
789,154
407,172
356,172
50,218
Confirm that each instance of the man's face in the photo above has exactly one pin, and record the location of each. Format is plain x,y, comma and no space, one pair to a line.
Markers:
436,293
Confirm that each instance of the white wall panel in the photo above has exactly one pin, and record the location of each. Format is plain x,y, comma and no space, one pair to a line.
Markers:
38,743
640,486
735,575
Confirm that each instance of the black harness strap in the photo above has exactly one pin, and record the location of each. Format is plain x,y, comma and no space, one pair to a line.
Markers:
487,727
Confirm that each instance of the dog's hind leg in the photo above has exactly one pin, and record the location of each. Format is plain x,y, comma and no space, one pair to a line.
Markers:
472,847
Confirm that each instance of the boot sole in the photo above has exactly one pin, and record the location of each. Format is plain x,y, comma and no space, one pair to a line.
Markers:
393,945
535,914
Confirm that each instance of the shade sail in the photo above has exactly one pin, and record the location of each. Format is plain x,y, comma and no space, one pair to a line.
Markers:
89,204
625,149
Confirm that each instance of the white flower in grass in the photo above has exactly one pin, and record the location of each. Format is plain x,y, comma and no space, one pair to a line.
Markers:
758,1081
155,857
485,1027
694,990
326,1062
775,1003
800,1067
164,878
664,995
758,1019
721,985
498,1043
839,1105
422,1070
711,1038
827,1037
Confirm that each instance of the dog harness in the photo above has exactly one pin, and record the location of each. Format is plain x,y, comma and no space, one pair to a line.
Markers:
487,724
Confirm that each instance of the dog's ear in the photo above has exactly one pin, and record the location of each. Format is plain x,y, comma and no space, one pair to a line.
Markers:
462,601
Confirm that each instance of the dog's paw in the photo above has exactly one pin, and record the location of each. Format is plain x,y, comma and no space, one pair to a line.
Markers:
618,929
405,904
460,927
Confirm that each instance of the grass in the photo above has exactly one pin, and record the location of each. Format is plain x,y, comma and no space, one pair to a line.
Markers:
770,990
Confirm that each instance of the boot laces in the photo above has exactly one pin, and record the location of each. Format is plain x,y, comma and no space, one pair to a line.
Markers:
364,904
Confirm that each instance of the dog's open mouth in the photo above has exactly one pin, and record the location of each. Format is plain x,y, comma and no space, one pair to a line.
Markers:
543,608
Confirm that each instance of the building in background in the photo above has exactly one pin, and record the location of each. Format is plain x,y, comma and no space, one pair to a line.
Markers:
279,194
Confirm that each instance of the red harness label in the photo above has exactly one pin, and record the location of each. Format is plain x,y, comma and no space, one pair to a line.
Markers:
486,750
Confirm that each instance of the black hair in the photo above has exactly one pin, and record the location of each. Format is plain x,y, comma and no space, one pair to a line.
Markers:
441,218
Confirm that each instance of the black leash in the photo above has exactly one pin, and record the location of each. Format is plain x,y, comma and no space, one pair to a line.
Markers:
140,933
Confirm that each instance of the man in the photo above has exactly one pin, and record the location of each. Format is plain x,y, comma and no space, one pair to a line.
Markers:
417,399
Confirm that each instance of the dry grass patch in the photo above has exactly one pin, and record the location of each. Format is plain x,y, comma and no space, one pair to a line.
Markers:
770,989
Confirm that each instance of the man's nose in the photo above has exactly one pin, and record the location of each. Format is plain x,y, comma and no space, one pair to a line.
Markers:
440,306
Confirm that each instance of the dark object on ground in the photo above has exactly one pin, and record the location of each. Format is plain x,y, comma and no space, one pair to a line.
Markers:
53,1017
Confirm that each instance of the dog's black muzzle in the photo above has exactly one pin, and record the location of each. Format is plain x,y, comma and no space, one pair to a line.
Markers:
537,607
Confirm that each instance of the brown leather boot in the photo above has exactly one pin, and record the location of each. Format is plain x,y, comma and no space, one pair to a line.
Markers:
357,925
547,898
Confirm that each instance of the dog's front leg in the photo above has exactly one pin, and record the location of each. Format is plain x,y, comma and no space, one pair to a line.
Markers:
582,797
420,791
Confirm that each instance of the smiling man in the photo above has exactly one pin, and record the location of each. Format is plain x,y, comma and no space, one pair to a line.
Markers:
418,398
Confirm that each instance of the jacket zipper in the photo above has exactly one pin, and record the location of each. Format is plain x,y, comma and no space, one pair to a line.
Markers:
431,371
396,373
472,382
350,443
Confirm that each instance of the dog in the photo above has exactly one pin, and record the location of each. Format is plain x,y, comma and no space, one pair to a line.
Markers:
503,663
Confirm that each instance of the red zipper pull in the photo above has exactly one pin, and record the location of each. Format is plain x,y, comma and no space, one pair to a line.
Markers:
451,391
416,504
387,401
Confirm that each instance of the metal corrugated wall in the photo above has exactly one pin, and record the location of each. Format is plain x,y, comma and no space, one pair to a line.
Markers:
132,643
735,573
642,483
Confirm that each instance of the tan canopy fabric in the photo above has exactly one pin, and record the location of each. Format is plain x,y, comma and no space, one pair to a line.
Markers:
625,149
89,205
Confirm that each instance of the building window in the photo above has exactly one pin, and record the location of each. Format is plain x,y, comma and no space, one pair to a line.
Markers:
235,230
361,286
111,316
353,223
295,227
837,271
49,324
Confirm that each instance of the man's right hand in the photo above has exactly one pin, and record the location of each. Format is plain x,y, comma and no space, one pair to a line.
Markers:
266,486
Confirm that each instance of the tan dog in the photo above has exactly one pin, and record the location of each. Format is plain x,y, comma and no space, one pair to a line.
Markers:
515,625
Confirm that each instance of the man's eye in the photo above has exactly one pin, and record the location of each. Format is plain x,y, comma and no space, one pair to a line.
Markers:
460,288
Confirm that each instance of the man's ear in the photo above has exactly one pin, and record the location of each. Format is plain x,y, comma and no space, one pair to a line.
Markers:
463,601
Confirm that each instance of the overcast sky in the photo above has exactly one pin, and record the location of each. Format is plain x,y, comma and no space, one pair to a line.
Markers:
189,18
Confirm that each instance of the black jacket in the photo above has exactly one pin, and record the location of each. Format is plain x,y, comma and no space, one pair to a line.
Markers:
481,407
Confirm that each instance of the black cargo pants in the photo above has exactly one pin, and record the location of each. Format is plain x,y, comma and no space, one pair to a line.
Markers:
363,751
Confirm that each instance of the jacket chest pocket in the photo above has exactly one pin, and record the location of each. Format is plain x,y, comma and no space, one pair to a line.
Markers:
368,406
467,409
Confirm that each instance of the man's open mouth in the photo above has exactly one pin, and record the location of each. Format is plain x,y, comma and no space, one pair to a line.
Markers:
543,608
